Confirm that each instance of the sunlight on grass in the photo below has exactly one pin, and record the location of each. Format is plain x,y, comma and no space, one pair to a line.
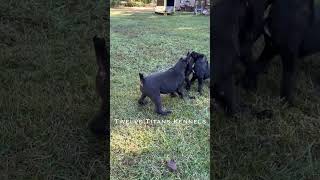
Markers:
184,28
131,140
119,13
148,43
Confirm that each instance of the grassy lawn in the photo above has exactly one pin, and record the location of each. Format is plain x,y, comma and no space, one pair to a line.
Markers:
285,147
145,42
47,90
47,98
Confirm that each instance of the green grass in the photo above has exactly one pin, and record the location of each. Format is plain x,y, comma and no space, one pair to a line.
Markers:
47,97
285,147
47,90
145,42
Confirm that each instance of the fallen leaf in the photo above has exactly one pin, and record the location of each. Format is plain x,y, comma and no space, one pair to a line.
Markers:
172,166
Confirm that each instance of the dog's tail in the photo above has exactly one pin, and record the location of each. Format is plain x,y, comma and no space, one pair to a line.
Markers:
141,78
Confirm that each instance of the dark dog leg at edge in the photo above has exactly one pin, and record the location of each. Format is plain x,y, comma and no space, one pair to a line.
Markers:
98,125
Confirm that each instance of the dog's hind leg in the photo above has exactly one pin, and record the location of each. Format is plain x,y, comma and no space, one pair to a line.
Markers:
188,84
158,105
141,100
179,91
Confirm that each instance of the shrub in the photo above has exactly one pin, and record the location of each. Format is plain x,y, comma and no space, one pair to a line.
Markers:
114,3
130,3
135,4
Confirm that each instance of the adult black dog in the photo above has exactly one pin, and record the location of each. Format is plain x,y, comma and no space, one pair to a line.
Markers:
166,82
293,33
200,68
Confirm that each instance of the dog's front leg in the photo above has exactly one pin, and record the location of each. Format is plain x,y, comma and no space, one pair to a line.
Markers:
180,91
141,100
188,84
194,77
200,84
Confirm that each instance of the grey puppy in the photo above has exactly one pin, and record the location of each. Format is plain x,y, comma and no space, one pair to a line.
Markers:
167,82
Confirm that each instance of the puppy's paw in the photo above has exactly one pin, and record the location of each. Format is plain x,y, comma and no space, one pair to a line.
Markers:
164,113
192,97
173,95
167,112
142,103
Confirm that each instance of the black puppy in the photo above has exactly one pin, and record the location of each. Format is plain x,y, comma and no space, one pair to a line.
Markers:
201,70
166,82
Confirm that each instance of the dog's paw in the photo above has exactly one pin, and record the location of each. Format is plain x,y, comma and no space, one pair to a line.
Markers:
142,103
173,95
167,112
192,97
164,113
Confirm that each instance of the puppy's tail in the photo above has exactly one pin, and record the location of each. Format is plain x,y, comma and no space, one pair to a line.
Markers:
141,78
